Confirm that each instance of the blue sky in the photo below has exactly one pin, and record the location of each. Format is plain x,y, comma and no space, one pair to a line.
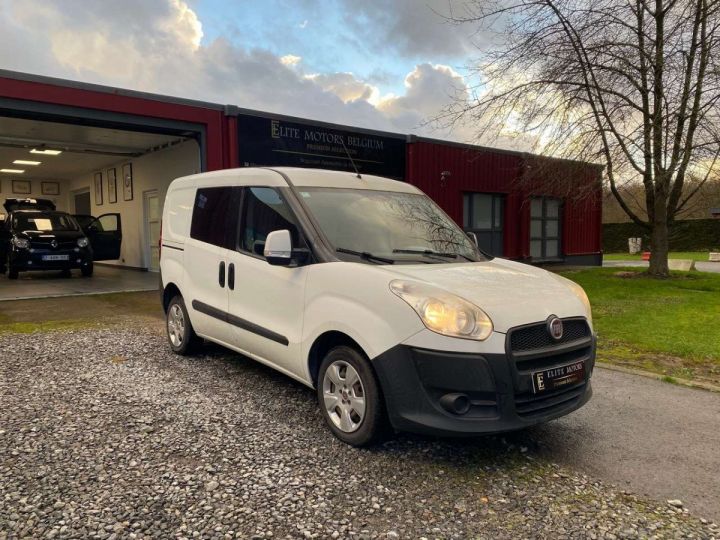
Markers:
385,64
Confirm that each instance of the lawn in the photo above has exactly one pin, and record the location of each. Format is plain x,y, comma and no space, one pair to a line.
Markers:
698,256
669,326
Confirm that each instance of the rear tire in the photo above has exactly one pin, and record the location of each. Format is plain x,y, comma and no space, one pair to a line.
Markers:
87,270
350,398
13,273
181,335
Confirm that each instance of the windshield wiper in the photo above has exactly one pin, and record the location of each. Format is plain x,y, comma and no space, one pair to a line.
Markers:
433,253
365,255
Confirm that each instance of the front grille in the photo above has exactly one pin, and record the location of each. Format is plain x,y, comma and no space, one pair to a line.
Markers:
536,336
529,404
532,349
42,244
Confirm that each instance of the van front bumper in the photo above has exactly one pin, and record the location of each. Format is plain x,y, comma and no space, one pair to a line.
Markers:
448,393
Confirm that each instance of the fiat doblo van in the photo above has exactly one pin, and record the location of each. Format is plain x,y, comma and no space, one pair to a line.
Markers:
365,290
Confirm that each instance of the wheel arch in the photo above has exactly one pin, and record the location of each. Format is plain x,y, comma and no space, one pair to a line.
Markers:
169,292
323,344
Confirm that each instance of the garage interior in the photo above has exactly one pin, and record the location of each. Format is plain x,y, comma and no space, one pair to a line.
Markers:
74,164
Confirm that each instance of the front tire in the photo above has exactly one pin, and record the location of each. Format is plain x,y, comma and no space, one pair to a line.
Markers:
183,339
350,398
13,273
87,270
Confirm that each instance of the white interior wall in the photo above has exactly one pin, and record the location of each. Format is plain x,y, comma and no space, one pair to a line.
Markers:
152,171
6,192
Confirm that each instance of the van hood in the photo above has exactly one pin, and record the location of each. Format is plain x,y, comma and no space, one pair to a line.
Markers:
511,293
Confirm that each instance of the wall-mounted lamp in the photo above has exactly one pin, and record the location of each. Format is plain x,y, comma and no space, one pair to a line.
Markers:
443,178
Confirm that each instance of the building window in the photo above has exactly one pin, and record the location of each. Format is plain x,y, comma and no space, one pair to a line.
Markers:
483,215
545,228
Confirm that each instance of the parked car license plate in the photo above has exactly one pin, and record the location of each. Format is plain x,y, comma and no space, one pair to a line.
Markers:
55,257
559,377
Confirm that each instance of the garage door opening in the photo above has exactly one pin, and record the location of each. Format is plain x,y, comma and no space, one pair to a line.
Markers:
93,171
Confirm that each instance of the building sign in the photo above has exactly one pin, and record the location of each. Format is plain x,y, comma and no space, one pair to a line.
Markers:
267,141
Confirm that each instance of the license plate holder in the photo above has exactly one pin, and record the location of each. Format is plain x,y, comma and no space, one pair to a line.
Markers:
56,257
548,380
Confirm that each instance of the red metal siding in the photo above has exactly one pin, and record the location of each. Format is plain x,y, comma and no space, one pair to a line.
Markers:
88,99
487,171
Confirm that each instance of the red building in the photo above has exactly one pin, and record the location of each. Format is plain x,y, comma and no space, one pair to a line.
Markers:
101,150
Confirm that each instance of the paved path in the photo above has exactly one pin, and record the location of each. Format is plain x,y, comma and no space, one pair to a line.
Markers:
646,436
700,266
105,279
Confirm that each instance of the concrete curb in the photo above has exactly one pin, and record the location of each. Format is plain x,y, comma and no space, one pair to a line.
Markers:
642,373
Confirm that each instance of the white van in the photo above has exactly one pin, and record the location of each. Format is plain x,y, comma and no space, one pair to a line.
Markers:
364,289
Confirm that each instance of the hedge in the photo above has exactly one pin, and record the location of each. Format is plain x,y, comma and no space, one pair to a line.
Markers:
688,235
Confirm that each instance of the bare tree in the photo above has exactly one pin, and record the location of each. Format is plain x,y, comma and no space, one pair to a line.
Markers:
632,84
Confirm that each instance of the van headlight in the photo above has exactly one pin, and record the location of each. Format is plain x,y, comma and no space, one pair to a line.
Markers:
21,243
443,312
82,242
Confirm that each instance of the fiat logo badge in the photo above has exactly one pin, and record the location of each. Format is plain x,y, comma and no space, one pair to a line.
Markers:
54,244
555,327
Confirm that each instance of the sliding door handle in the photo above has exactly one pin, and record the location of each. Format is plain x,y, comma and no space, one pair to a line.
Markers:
231,276
221,274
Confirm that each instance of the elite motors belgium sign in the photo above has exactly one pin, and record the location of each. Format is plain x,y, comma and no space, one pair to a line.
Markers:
267,141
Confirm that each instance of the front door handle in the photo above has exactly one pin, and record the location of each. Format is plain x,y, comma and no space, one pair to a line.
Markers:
221,274
231,276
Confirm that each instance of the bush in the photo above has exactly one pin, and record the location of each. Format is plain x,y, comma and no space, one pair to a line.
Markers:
688,235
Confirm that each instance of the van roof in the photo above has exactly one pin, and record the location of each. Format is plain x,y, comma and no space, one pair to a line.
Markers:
300,177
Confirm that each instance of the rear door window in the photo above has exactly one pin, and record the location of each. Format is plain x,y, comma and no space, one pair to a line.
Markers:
211,215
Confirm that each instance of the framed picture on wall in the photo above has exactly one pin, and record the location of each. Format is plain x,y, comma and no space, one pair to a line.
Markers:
98,188
50,188
127,182
112,185
21,187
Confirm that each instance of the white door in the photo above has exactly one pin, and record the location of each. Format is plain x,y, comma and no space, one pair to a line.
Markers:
266,303
205,282
153,216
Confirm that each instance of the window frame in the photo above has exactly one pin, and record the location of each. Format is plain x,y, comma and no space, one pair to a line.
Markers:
240,224
544,219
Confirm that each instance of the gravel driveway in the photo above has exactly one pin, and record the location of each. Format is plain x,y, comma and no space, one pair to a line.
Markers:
106,434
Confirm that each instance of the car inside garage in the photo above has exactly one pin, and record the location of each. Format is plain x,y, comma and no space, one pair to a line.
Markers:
111,179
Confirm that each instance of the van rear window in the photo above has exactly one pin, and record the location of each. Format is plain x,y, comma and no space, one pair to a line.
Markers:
210,214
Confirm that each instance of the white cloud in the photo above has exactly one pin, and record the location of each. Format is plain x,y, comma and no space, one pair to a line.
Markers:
290,60
156,46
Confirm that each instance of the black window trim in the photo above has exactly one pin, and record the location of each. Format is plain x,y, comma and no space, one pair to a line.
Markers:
543,220
494,196
302,236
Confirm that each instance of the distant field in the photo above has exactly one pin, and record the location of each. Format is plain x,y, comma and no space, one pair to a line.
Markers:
694,255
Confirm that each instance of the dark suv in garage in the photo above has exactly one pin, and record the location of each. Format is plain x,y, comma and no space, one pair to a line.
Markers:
35,236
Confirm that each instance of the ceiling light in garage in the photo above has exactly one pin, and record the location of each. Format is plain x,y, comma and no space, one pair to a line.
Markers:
12,171
46,152
26,162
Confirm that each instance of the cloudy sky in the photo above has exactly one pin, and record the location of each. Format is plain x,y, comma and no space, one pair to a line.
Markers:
384,64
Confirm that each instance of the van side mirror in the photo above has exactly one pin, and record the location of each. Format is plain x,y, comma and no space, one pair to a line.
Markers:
278,248
472,236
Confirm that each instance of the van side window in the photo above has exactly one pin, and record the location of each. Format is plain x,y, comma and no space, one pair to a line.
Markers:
264,211
210,215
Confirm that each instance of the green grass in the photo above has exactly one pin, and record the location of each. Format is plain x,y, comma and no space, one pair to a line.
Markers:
698,256
670,326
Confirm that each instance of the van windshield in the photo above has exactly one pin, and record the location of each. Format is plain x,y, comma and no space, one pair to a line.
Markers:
43,221
397,227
